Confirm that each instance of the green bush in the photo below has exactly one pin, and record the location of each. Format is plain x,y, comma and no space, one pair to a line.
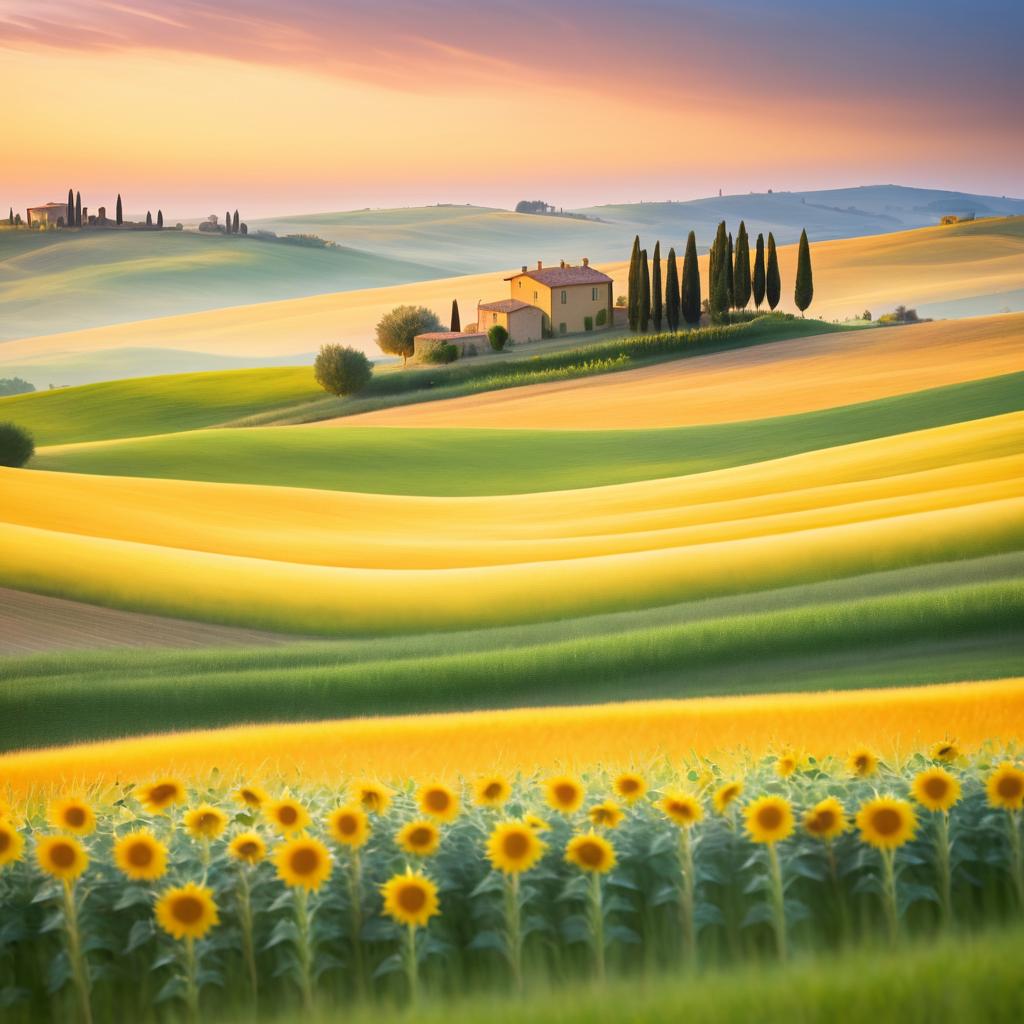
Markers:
497,336
602,317
440,352
342,371
397,329
16,445
588,323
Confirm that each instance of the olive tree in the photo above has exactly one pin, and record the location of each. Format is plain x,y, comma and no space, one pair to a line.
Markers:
396,330
342,371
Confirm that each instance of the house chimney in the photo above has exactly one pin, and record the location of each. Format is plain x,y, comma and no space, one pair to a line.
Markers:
524,268
540,264
586,262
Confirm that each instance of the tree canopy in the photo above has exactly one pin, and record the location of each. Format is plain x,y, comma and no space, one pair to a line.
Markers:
341,370
397,329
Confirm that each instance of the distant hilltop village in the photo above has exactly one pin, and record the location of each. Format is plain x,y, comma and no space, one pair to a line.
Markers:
72,214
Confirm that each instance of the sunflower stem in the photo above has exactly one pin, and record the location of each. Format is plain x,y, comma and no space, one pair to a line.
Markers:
305,950
1016,856
513,925
412,973
79,968
355,887
942,860
778,901
597,924
191,981
245,920
892,914
844,916
686,897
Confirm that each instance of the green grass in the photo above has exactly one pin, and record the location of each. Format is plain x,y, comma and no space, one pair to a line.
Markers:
910,626
156,405
479,462
958,980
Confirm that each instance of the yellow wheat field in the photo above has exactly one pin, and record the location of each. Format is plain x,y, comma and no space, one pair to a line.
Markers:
892,722
780,379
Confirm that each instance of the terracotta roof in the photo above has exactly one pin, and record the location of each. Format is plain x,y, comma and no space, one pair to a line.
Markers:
559,277
446,336
506,306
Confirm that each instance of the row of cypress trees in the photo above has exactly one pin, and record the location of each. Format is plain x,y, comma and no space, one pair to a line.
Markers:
732,283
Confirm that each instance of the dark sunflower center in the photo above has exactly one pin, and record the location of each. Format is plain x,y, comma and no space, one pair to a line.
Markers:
492,790
371,799
347,825
437,800
936,787
887,822
287,815
62,855
629,785
769,817
140,855
822,821
411,898
590,854
207,821
248,848
517,844
75,817
565,793
250,798
187,909
1010,787
421,837
5,840
162,793
305,861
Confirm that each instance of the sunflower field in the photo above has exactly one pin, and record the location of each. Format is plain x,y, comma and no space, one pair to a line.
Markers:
216,898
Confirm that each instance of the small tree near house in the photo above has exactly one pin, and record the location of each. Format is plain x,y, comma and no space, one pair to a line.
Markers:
498,337
397,329
341,370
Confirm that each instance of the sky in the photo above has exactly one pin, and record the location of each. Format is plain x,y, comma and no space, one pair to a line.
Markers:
280,107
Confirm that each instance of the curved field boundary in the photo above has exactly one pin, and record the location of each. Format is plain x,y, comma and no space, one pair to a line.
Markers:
894,722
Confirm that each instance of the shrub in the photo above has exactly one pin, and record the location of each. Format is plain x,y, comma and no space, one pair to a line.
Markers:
866,315
15,386
497,336
342,371
440,352
397,329
588,323
621,300
16,445
602,317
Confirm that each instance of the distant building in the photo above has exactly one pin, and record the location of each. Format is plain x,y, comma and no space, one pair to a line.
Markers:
570,298
51,213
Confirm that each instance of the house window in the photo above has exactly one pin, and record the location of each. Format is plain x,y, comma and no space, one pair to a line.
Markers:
593,294
565,297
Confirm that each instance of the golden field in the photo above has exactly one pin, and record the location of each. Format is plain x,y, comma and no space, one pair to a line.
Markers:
336,563
893,722
780,379
876,272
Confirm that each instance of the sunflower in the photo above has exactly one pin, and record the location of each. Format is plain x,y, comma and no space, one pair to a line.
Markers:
682,808
726,794
71,815
862,762
564,793
374,797
591,852
886,822
187,911
936,789
251,796
826,819
287,815
607,814
786,764
349,825
304,862
946,750
420,838
160,795
63,857
536,823
769,819
205,821
141,856
11,843
630,786
437,800
513,847
1005,787
248,847
410,899
491,791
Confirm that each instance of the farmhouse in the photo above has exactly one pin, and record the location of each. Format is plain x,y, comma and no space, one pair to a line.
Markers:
51,213
522,321
467,344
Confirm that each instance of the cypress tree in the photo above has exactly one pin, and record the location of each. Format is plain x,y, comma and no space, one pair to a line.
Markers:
656,304
159,218
227,223
78,209
10,217
645,292
234,224
119,216
149,219
672,292
772,280
633,303
690,304
729,259
759,272
718,295
456,324
804,291
741,274
69,220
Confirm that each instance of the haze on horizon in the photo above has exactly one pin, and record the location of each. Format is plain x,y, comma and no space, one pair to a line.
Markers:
197,106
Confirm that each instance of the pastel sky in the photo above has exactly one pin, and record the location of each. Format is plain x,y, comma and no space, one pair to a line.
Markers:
287,106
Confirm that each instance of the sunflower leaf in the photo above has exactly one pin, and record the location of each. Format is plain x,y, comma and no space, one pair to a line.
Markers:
389,965
759,913
132,896
141,932
488,940
492,882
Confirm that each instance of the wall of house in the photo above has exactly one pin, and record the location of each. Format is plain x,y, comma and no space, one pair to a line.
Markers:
527,290
525,325
580,303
